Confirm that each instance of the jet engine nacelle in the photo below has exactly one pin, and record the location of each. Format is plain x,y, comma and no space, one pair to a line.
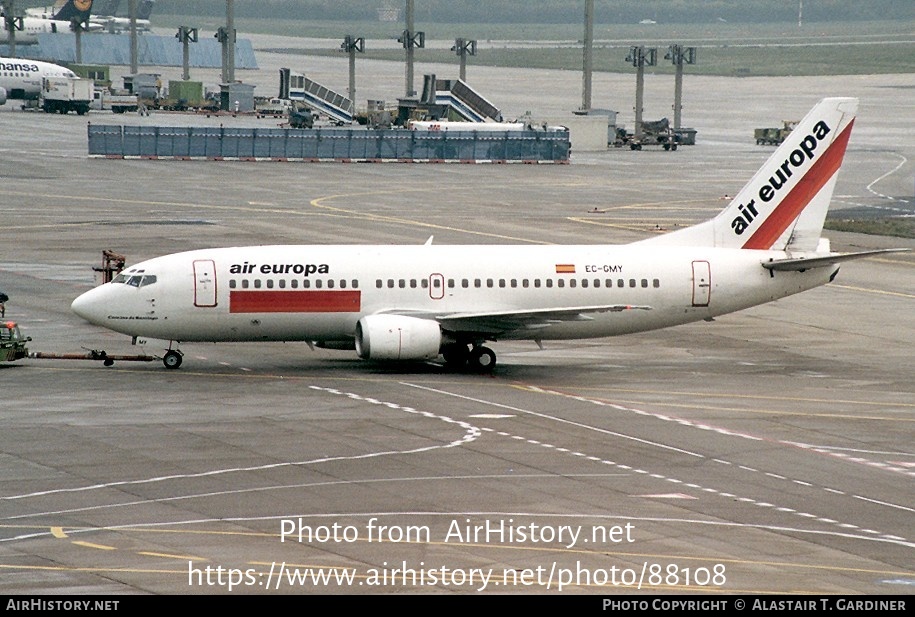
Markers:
2,96
396,337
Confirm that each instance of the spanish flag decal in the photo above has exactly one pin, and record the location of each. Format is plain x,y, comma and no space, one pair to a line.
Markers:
565,268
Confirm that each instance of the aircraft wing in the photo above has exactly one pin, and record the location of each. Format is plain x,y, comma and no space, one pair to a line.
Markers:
500,322
806,263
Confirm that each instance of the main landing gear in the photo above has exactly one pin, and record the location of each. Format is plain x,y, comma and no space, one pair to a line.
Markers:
476,358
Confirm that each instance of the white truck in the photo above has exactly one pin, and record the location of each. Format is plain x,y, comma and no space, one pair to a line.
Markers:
66,94
275,107
115,101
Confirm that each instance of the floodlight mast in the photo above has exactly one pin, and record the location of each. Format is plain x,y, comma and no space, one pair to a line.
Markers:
640,57
679,56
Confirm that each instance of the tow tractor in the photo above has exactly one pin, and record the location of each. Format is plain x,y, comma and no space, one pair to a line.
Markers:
12,343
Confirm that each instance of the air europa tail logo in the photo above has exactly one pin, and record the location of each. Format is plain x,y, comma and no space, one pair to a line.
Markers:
805,151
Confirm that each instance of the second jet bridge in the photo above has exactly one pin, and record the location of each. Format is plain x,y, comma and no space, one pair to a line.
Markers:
297,87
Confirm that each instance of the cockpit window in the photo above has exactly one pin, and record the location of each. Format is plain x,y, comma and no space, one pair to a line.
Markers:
135,280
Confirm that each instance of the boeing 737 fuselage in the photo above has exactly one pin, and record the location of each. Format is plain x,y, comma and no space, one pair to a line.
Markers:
422,301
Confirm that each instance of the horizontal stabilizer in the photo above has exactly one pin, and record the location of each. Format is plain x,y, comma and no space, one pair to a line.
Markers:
806,263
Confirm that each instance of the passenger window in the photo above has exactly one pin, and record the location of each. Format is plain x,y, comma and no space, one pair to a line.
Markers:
330,284
232,284
656,283
257,283
269,283
306,284
244,283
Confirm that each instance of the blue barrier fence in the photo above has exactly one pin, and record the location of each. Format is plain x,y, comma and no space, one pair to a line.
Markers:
328,144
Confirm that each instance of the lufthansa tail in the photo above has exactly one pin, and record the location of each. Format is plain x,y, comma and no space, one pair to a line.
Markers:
784,205
74,9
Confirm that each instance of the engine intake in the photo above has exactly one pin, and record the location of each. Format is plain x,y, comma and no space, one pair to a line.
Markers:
396,337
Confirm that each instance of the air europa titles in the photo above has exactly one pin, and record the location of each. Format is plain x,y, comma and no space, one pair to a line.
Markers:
301,269
806,151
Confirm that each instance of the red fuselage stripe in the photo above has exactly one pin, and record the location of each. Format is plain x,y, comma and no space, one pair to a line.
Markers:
311,301
795,201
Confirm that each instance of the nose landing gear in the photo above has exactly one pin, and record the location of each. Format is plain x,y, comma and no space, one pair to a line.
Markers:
172,359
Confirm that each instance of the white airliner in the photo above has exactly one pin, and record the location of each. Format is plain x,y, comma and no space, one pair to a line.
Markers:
103,18
20,78
50,23
418,302
108,22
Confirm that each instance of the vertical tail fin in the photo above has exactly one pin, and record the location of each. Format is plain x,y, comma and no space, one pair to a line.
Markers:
80,9
784,205
145,8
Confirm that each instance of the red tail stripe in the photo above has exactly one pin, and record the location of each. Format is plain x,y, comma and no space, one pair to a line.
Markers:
311,301
795,201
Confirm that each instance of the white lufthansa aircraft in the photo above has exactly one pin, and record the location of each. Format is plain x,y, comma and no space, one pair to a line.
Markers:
418,302
58,20
21,78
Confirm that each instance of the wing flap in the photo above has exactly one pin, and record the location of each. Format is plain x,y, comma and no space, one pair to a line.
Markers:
509,321
494,323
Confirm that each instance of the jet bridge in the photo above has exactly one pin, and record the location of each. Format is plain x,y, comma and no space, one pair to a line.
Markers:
297,87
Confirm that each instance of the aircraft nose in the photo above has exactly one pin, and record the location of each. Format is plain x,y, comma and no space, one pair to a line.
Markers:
89,306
